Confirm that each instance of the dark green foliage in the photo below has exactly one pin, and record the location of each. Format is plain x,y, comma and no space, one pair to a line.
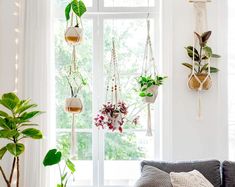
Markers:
202,56
77,6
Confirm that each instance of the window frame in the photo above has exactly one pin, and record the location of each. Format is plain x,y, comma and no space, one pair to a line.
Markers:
98,14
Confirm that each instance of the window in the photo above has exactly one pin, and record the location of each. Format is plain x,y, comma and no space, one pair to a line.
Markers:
105,158
231,78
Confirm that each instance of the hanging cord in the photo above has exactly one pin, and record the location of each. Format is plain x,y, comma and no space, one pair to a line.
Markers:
149,125
73,139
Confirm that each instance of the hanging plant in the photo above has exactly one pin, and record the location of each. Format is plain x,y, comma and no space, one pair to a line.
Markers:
75,81
73,13
113,113
201,58
112,116
149,87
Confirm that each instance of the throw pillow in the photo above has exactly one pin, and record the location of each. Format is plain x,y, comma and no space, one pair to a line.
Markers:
189,179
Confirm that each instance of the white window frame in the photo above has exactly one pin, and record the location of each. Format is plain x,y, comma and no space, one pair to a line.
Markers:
98,13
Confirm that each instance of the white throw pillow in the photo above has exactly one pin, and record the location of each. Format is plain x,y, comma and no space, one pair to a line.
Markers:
189,179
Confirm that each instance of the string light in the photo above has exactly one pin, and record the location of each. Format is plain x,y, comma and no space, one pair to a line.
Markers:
17,33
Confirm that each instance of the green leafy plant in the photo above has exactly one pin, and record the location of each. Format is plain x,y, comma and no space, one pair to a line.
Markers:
54,157
202,55
16,125
77,6
146,82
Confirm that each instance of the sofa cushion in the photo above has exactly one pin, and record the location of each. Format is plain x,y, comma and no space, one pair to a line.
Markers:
153,177
189,179
228,174
209,169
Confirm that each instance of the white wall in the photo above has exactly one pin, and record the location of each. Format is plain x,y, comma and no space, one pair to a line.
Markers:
192,138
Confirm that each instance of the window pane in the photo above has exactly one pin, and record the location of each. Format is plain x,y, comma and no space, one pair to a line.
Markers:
63,54
128,3
231,79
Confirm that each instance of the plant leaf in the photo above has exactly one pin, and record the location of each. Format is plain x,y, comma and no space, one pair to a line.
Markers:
79,8
11,96
7,133
70,165
205,36
52,157
8,103
15,149
32,133
208,51
2,152
215,56
29,115
190,53
199,37
142,94
188,65
3,114
67,11
3,124
213,69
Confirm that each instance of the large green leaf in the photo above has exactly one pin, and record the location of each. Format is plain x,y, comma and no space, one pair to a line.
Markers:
29,115
79,8
52,157
213,69
11,96
191,51
67,11
2,152
25,107
3,114
15,149
70,165
208,51
32,133
8,103
215,56
7,133
3,124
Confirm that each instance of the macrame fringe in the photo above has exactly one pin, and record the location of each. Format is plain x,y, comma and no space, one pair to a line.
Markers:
149,127
73,140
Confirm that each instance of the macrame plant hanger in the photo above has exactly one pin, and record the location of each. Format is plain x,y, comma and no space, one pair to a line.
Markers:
74,36
200,13
149,67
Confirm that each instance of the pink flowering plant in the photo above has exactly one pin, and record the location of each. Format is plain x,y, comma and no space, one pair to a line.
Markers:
112,116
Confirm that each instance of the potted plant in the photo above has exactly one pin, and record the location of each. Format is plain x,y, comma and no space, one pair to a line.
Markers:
201,59
73,13
54,157
74,104
149,87
15,126
112,116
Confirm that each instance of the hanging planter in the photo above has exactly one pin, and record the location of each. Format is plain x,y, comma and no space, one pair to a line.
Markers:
73,13
149,80
75,81
73,105
201,70
112,115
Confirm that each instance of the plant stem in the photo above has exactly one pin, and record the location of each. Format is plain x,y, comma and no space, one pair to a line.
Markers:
18,171
12,170
4,177
200,60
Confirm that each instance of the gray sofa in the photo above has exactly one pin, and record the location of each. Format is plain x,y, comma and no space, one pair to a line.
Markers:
219,174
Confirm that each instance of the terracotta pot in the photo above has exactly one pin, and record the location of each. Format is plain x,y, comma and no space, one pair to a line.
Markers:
153,90
73,105
73,35
194,84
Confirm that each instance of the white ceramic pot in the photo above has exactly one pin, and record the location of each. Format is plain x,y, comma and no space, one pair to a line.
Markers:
73,105
153,90
73,35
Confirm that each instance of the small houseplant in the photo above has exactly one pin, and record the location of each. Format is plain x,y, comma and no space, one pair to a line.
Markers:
73,13
54,157
74,104
15,126
149,87
201,59
112,116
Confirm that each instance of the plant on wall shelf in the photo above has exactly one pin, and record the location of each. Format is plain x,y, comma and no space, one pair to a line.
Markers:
201,58
73,13
54,157
149,86
15,126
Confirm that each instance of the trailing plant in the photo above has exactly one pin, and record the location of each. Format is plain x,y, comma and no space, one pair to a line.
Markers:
15,126
146,82
77,7
202,55
54,157
112,116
